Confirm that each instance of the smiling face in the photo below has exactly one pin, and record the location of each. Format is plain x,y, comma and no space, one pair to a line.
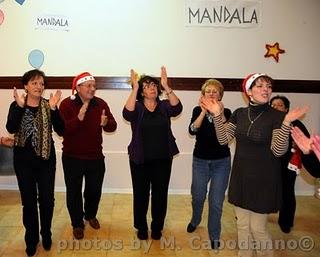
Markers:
86,90
261,91
35,87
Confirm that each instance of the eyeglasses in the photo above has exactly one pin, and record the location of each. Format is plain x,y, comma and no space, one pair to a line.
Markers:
149,85
91,86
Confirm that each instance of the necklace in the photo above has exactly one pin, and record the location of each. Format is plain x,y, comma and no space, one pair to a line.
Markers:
252,121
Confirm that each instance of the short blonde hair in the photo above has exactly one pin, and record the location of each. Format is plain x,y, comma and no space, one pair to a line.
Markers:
213,82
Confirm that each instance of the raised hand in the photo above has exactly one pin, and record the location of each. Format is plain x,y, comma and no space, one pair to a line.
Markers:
296,114
83,110
164,78
201,105
104,118
315,146
20,99
302,141
134,79
212,106
54,99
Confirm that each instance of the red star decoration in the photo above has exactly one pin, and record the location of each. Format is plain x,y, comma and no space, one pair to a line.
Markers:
274,51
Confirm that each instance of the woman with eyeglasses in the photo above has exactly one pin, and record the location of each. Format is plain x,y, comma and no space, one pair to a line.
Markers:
151,149
211,164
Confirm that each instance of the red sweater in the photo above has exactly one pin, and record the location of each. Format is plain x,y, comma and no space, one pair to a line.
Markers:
83,139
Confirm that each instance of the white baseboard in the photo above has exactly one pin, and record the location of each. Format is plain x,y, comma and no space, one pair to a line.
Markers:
129,190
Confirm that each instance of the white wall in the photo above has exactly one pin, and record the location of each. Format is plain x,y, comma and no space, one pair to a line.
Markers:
108,38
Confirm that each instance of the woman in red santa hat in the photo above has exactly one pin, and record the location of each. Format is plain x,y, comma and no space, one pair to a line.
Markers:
86,117
261,135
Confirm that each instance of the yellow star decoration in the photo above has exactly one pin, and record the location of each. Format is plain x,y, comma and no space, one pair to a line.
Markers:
274,51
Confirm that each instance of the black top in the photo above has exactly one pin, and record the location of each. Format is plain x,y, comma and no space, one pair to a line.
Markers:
207,146
14,122
154,135
311,164
255,182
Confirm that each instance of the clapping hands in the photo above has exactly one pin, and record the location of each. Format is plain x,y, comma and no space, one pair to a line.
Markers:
83,110
306,144
134,80
54,99
296,114
211,105
20,99
104,118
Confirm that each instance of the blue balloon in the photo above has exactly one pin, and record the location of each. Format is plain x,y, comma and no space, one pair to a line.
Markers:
36,58
20,2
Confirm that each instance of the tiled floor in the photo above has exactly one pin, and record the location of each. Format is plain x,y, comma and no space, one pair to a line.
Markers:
117,236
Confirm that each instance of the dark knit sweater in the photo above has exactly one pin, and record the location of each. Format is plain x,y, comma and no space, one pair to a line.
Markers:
255,182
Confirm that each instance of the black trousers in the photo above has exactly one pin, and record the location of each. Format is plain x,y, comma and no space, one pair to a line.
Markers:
154,175
93,173
288,208
36,179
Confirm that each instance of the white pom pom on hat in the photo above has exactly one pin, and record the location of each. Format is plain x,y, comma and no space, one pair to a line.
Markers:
295,163
79,79
247,82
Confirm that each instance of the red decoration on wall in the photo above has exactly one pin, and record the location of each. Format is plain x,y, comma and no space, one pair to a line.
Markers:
274,51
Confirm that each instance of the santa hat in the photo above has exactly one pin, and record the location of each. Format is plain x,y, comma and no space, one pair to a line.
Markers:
295,163
247,82
79,79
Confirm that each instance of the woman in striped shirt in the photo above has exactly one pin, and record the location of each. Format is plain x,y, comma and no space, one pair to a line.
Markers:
261,135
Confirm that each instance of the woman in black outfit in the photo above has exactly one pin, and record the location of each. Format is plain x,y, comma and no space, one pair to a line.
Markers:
151,149
30,119
289,168
261,135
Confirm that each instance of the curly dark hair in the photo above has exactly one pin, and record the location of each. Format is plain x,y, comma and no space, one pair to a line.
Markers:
31,74
147,79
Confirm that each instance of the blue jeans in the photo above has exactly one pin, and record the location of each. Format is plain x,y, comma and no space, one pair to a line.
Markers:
217,173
